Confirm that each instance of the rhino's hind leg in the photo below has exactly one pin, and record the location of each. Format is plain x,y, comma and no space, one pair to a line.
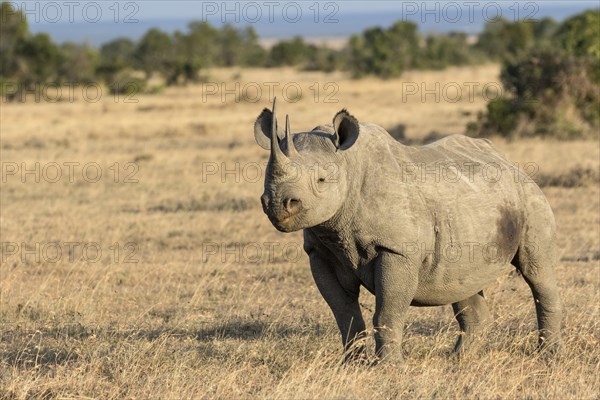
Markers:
471,314
536,263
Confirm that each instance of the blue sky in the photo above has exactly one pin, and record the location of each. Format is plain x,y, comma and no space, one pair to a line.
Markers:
177,9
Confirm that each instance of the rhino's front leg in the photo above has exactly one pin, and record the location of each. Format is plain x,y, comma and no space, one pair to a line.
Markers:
396,280
342,298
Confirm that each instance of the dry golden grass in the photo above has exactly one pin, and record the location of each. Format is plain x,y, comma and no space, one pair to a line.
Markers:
183,322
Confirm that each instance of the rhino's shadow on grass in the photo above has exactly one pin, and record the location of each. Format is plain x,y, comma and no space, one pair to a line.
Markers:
26,352
250,330
238,329
32,355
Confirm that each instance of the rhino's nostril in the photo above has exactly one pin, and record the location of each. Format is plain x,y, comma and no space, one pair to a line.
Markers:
292,205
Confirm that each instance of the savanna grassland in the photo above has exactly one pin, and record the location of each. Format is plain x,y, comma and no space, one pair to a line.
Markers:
163,278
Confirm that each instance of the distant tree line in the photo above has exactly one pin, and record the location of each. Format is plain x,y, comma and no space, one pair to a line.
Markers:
28,59
542,60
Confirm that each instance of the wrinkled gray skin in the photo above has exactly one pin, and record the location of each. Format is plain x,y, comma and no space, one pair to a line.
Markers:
370,219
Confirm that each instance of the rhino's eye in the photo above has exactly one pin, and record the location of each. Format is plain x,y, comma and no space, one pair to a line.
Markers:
321,180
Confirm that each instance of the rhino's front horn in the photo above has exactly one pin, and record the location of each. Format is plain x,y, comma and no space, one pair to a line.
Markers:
276,153
291,150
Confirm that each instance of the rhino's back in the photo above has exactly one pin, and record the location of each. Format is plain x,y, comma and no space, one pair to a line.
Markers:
460,149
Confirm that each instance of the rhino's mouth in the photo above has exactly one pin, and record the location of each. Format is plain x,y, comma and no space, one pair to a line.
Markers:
284,222
285,218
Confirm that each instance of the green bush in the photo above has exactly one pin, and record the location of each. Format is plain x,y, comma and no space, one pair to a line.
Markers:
290,52
13,32
325,59
551,91
115,56
580,34
547,93
78,63
385,53
442,51
503,40
127,84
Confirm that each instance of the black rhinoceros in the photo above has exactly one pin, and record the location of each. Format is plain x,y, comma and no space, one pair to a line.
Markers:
421,226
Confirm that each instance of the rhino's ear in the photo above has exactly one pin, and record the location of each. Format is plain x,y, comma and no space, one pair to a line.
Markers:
262,129
346,130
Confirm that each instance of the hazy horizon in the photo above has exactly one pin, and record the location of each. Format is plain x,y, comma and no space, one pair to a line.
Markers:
99,22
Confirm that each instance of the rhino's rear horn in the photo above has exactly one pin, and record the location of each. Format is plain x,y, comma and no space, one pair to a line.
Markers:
291,150
276,154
